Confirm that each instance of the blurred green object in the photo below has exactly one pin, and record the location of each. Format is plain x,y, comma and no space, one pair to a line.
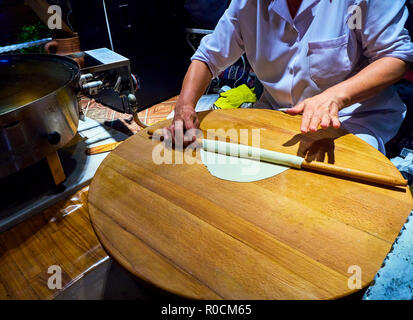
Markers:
234,98
34,32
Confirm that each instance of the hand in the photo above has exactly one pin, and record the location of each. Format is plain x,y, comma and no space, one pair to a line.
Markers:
182,131
320,110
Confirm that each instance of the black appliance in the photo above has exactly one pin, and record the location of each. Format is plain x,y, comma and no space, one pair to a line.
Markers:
204,14
149,33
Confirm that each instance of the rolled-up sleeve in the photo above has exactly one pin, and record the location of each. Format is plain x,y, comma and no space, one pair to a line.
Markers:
383,34
225,45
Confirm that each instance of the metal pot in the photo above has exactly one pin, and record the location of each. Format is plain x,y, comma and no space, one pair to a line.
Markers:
39,111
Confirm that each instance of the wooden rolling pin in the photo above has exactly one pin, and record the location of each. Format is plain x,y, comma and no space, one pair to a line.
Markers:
243,151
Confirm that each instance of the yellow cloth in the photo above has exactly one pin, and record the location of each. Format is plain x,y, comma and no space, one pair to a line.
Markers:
234,98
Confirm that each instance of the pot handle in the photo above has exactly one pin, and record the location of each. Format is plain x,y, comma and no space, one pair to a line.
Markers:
50,45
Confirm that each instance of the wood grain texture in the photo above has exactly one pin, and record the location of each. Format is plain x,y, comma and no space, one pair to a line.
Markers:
293,236
62,236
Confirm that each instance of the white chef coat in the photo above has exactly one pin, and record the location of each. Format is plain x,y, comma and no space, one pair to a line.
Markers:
298,58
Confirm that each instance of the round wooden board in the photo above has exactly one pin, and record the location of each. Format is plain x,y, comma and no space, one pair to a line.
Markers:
293,236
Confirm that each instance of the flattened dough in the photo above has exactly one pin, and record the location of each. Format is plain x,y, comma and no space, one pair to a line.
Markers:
239,169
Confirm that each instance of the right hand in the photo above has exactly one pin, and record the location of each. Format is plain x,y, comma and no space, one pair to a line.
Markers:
182,131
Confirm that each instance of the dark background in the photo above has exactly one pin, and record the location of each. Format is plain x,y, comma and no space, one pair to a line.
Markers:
150,33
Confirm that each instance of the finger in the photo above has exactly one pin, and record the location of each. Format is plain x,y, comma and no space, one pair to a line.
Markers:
189,124
336,122
305,123
299,108
168,139
315,121
325,121
190,132
334,118
179,133
190,136
172,133
197,123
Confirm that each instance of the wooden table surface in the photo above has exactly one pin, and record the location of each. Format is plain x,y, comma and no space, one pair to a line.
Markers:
293,236
59,236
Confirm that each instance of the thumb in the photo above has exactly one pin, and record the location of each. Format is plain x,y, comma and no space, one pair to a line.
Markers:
189,124
299,108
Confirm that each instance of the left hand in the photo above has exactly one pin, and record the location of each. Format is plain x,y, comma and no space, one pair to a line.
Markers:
320,110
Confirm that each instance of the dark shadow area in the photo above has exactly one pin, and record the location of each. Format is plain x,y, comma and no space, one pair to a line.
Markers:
355,296
32,190
161,66
404,137
315,146
122,285
30,183
120,126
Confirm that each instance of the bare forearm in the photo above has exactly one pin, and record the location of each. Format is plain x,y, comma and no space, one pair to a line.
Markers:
369,81
323,109
195,83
